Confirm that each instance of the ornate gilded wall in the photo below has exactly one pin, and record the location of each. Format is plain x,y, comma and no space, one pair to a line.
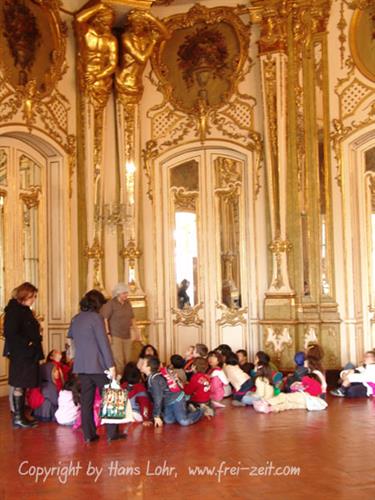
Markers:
257,120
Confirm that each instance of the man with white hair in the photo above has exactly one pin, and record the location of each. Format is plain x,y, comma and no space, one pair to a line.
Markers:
119,318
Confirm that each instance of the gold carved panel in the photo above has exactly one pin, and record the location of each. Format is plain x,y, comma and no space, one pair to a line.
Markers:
201,64
32,44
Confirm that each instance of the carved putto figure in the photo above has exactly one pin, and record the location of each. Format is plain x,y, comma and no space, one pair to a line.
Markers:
142,33
98,50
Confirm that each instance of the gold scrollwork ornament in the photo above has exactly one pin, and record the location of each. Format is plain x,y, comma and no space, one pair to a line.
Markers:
29,72
188,315
31,196
184,199
231,316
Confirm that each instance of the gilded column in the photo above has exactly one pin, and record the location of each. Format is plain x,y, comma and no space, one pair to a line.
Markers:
279,311
97,56
142,32
273,61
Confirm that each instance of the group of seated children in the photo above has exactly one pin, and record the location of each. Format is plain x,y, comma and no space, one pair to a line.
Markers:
193,386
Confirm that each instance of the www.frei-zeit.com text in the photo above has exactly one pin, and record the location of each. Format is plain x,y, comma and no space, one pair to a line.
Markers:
63,472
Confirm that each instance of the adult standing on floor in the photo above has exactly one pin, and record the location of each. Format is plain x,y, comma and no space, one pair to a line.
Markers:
119,318
93,356
23,348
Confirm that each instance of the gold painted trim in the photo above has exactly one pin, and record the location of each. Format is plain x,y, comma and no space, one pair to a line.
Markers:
31,197
188,316
342,132
341,26
231,316
134,4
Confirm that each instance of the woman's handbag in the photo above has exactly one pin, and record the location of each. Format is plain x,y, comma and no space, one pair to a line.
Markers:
115,407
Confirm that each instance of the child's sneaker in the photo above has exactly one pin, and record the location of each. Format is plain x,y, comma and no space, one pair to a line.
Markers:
339,393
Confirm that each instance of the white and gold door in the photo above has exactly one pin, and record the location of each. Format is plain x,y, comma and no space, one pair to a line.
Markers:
206,236
34,225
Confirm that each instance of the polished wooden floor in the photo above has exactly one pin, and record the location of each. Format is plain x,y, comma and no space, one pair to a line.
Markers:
292,455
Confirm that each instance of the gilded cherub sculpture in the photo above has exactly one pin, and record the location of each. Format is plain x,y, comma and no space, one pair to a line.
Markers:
143,31
98,51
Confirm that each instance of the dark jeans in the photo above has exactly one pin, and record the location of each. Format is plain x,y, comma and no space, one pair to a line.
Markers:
355,390
176,412
89,383
245,387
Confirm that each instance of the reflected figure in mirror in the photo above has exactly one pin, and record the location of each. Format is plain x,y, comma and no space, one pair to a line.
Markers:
230,295
183,298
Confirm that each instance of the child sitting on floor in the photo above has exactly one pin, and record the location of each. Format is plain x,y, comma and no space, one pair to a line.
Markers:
200,351
169,406
177,367
244,363
219,382
137,394
263,359
239,380
46,411
147,350
359,382
55,358
264,388
314,365
299,371
199,387
309,383
69,408
224,350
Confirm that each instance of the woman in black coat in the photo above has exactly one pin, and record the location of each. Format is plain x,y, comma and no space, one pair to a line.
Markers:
23,346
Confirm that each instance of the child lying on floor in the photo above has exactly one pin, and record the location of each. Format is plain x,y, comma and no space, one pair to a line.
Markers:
290,401
305,397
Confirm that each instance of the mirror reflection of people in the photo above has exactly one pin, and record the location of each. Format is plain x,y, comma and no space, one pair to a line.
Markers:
226,293
182,296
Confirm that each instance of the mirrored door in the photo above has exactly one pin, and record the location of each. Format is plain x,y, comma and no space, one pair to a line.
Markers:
204,249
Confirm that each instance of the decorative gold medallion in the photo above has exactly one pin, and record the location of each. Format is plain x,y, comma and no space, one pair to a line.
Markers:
362,40
200,66
32,44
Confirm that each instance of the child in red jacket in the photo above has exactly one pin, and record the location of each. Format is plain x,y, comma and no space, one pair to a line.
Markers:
137,393
199,387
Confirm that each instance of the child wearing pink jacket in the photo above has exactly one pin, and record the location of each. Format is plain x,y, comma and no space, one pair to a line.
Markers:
218,379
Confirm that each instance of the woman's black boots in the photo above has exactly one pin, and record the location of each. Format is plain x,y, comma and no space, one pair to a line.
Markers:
19,420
